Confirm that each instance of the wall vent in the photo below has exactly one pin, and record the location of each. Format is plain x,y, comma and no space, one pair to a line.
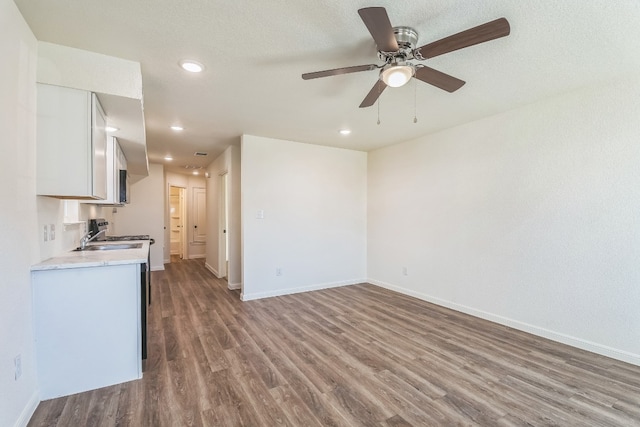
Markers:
200,154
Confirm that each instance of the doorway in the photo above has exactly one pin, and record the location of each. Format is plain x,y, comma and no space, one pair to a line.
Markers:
177,216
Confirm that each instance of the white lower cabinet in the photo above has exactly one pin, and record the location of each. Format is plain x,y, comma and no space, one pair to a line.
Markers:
87,328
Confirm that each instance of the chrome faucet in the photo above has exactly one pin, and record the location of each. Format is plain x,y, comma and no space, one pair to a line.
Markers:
86,238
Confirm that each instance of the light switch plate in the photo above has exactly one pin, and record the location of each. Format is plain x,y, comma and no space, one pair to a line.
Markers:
46,233
52,232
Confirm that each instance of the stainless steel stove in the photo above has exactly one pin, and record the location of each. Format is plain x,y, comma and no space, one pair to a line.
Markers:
98,224
131,237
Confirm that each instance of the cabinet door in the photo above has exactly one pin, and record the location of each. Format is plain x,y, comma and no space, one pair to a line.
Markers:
99,147
71,144
63,142
111,173
87,323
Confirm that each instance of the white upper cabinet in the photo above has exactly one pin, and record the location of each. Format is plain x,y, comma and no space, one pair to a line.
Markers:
118,85
71,144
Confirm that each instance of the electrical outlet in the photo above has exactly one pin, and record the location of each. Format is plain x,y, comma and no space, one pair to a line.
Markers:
46,233
52,232
278,271
404,271
17,362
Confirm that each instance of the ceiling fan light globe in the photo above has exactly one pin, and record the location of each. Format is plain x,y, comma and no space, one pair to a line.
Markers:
397,75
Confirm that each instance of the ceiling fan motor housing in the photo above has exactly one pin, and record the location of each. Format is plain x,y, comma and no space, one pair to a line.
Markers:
407,39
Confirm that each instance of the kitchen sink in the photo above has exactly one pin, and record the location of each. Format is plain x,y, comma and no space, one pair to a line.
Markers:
110,247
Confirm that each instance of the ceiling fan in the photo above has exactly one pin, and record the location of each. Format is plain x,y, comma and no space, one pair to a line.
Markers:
397,48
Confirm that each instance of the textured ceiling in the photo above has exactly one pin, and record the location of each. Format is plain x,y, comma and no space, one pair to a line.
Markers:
255,51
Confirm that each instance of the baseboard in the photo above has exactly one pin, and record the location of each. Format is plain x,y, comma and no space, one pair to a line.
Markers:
234,286
572,341
288,291
197,256
158,268
28,410
211,269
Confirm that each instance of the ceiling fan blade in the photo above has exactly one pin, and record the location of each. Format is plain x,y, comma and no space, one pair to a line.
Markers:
438,79
373,94
378,24
476,35
338,71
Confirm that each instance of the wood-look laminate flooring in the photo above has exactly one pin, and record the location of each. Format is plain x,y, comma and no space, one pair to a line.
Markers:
350,356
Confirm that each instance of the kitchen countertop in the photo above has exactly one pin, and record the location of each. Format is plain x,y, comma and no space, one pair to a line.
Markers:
79,259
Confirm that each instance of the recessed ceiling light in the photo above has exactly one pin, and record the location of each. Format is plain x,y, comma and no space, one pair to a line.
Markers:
177,128
168,158
345,132
111,129
191,66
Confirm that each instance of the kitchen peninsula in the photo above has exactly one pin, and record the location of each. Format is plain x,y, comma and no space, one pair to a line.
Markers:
90,317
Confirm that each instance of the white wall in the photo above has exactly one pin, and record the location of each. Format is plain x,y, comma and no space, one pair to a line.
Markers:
18,220
314,226
145,213
235,217
227,163
23,217
528,218
67,236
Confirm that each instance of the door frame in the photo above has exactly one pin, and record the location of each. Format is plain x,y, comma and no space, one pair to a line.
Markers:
183,213
223,220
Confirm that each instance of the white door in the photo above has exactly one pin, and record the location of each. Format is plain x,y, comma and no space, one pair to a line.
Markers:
199,215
